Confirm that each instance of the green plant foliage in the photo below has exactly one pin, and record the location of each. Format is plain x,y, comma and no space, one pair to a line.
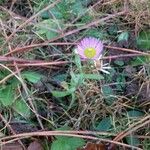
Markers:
120,80
67,143
66,10
135,113
49,28
93,76
21,107
133,141
108,94
141,60
77,61
97,33
143,40
104,124
119,62
7,95
124,36
31,76
112,30
63,93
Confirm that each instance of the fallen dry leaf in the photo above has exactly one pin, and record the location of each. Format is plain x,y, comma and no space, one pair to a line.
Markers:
35,146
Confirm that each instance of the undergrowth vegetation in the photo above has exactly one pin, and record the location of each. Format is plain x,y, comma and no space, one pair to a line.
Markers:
50,98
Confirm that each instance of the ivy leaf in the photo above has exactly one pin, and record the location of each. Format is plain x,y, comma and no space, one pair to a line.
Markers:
21,107
67,143
31,76
143,40
7,95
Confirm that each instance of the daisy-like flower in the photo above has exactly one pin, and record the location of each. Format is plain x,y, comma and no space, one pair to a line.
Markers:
90,48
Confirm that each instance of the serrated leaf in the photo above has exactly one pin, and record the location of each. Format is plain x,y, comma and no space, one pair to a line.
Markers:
123,36
67,143
31,76
93,76
104,124
143,40
21,107
135,113
63,93
7,95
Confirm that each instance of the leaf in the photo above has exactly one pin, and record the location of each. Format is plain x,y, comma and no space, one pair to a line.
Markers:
96,33
67,143
21,107
48,28
133,141
135,113
108,93
112,30
7,95
63,93
123,36
119,62
93,76
140,60
31,76
78,62
76,79
143,40
104,124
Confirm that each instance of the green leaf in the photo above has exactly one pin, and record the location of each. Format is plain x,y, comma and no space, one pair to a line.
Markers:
123,36
112,30
31,76
140,60
63,93
108,93
98,33
135,113
143,40
93,76
104,124
133,141
107,90
76,79
119,62
7,95
67,143
78,62
21,107
48,28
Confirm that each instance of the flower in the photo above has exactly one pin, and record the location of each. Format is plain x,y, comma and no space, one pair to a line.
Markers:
90,48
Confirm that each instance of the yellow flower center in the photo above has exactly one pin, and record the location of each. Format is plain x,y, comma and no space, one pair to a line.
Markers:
89,52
